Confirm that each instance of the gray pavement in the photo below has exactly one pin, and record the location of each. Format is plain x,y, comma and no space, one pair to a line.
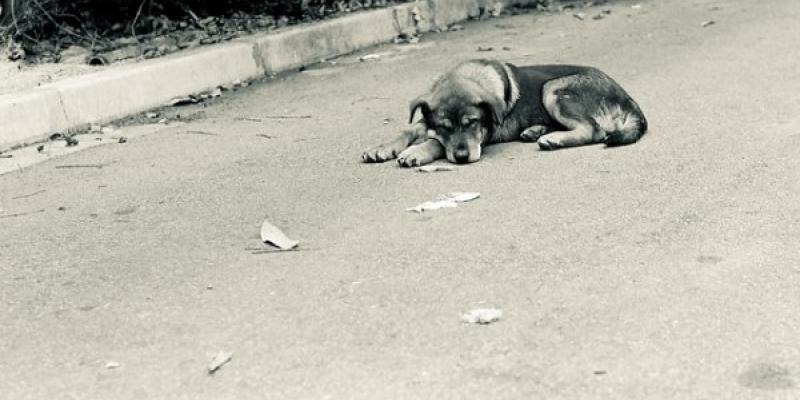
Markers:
667,269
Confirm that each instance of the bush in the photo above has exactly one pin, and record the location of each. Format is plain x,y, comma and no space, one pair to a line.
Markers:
46,26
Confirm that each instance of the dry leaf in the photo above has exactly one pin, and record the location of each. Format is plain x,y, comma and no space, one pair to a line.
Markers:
270,234
180,101
433,205
435,168
461,197
370,57
482,316
219,360
449,200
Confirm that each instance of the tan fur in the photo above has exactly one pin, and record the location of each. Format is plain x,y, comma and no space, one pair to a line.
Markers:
614,119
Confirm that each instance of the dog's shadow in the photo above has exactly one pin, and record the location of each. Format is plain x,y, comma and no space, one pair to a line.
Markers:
511,150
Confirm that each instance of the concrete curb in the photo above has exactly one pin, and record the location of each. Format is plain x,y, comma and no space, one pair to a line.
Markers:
72,103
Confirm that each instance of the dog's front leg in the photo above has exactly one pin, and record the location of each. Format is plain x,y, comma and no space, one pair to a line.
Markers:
421,154
390,150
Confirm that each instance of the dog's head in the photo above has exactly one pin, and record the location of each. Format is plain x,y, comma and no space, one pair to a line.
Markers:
465,107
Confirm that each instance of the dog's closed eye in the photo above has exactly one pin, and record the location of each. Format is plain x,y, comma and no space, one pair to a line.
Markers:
469,120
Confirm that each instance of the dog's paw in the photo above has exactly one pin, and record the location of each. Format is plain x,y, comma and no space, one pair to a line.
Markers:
533,133
415,156
548,142
379,154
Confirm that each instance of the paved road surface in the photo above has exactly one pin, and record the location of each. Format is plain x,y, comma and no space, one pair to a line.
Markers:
668,269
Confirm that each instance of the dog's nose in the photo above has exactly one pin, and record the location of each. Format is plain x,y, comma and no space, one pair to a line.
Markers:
461,155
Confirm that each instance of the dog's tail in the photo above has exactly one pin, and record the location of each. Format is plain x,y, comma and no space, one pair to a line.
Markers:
620,125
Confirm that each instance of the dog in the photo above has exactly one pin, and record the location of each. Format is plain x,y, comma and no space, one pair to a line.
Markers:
482,102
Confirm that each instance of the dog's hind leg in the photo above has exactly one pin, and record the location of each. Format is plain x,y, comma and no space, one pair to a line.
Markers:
533,133
580,135
390,150
570,106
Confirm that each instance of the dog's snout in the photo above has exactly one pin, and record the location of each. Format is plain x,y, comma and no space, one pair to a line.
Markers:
461,155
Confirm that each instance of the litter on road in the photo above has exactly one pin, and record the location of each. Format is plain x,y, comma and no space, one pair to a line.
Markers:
435,168
218,361
270,234
449,200
184,100
433,205
370,57
462,197
482,316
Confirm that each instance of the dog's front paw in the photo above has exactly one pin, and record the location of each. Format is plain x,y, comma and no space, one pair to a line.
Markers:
533,133
415,156
379,154
549,143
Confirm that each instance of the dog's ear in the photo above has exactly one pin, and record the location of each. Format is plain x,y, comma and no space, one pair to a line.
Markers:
494,110
420,103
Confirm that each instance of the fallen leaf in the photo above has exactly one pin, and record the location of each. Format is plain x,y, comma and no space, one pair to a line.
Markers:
449,200
181,101
270,234
433,205
370,57
461,197
435,168
482,316
218,361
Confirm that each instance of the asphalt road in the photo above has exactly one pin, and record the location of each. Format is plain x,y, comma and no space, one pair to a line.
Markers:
667,269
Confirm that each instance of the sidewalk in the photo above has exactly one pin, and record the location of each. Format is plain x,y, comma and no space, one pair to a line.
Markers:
72,103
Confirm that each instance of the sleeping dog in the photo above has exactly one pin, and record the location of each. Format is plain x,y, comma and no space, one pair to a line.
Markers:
481,102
